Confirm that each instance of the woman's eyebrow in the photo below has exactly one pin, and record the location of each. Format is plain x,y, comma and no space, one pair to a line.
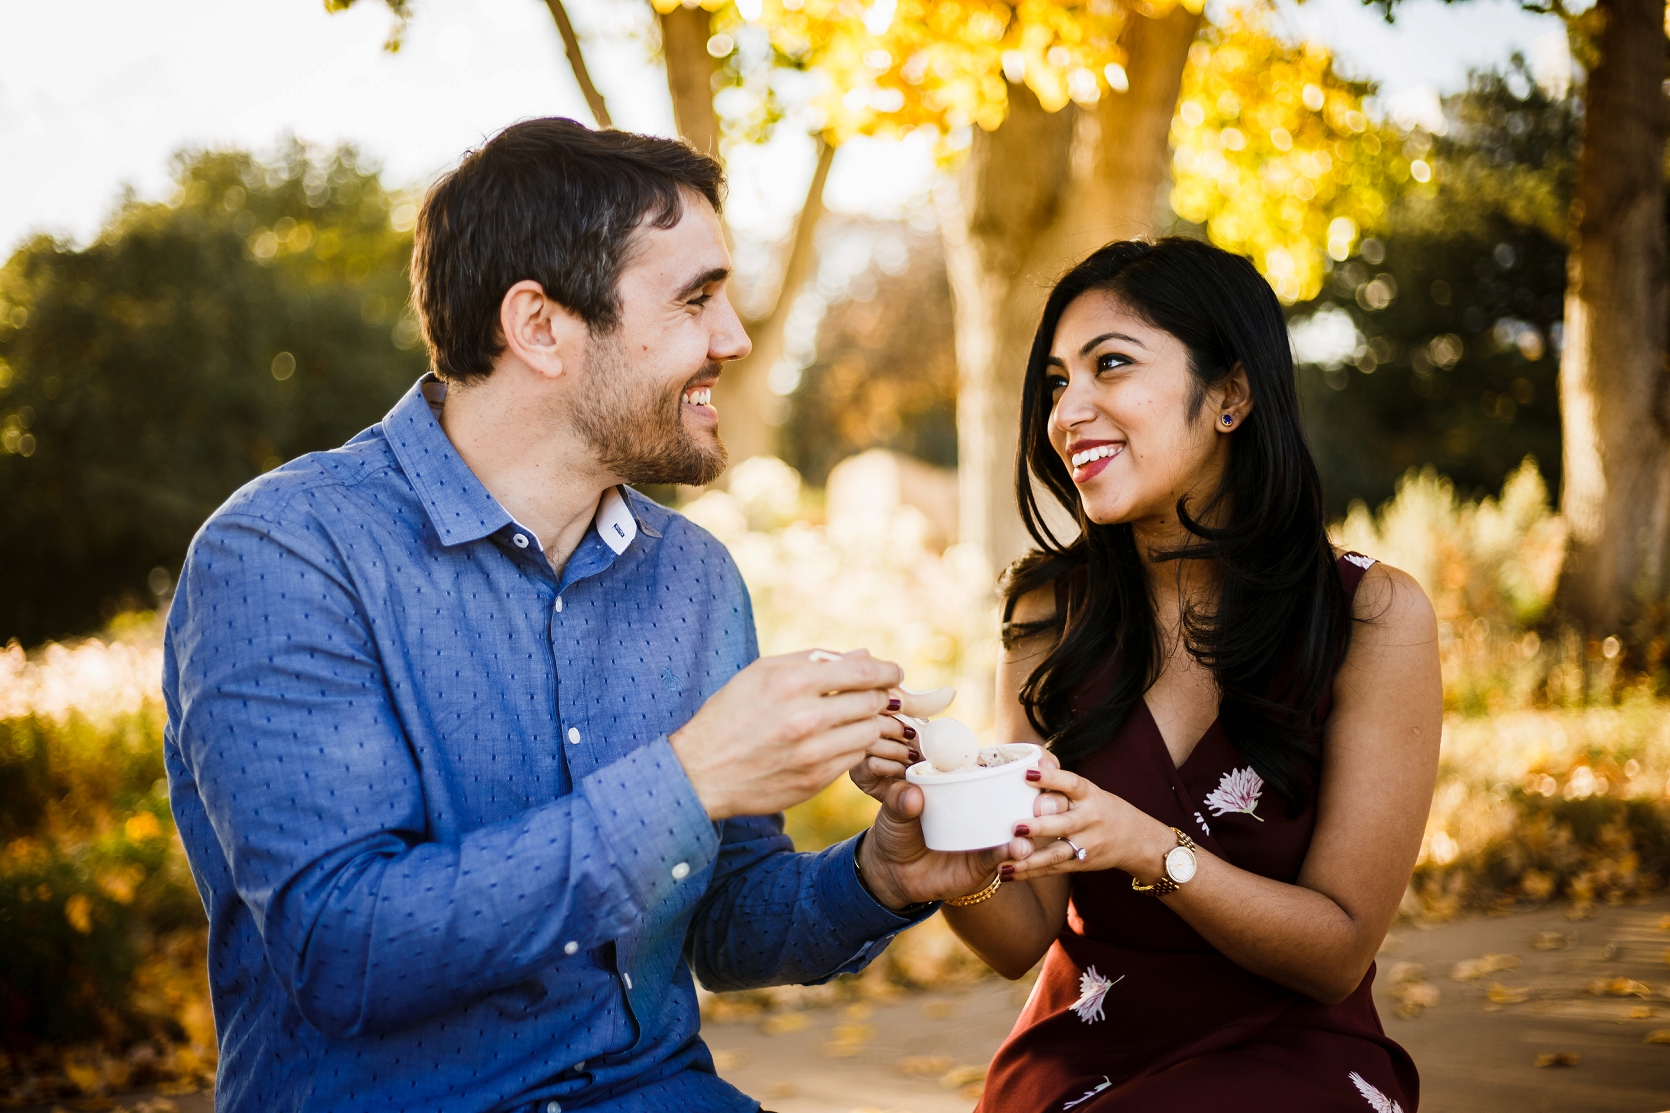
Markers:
1090,345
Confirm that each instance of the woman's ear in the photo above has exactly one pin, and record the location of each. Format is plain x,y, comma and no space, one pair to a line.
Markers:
1232,399
538,332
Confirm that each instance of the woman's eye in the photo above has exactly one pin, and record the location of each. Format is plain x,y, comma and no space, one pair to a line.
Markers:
1055,384
1110,362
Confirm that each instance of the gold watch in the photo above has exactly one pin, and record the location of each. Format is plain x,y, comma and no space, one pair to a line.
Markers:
1180,865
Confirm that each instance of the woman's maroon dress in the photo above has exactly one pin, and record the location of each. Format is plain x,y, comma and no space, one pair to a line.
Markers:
1134,1011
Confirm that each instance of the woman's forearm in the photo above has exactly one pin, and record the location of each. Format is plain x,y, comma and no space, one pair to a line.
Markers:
1294,936
1010,932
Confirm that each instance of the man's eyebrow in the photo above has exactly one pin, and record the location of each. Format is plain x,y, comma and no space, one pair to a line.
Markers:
1090,345
716,274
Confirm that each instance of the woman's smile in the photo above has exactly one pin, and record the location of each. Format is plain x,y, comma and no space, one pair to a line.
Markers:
1087,459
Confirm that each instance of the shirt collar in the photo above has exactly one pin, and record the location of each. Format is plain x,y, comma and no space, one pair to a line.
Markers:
459,506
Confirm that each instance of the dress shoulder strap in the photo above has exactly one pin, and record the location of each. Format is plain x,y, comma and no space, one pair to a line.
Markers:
1352,567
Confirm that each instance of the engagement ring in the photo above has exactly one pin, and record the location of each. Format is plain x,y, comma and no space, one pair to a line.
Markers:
1078,851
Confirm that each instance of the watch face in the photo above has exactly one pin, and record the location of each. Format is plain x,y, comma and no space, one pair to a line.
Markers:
1180,864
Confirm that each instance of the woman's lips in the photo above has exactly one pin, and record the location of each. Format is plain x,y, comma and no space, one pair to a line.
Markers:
1089,470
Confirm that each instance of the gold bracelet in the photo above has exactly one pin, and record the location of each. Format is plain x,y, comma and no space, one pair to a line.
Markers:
987,893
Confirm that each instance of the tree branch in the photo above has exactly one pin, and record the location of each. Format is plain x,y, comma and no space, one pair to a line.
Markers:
577,62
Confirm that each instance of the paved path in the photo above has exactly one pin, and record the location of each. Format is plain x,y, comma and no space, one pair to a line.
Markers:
1476,1055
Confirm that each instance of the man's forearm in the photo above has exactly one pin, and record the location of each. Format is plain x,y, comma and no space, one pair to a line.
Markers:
384,931
776,917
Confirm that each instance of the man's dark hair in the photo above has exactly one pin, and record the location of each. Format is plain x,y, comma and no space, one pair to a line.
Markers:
548,200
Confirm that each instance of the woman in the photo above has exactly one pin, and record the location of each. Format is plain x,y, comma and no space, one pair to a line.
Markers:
1246,722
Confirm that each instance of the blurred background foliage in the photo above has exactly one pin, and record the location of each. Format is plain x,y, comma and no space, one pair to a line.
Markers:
256,315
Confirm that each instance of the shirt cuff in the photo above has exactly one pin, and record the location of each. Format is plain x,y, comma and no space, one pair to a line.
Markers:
852,913
651,822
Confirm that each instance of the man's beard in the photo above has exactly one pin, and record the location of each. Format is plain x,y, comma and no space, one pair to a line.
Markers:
636,428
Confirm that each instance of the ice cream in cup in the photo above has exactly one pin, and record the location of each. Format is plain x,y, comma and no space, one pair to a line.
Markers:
971,797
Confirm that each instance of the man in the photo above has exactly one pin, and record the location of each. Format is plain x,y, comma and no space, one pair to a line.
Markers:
464,740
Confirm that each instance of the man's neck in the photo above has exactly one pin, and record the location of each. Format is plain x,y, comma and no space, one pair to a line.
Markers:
528,458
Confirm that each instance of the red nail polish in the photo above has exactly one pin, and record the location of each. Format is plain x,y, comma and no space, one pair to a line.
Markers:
1034,775
1022,830
894,705
915,757
910,732
1006,871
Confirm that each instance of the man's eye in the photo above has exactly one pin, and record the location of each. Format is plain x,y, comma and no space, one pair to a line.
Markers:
701,299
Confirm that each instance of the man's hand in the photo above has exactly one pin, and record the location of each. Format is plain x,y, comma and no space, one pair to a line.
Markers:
900,869
783,729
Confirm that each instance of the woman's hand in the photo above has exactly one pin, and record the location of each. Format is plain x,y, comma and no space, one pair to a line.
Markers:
886,761
1113,833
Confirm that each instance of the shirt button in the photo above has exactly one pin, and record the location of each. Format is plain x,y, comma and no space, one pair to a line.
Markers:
681,871
581,1065
574,735
553,1107
627,978
559,604
570,947
521,540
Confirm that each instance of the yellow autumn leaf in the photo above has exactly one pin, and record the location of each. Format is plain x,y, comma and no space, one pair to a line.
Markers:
1273,153
78,910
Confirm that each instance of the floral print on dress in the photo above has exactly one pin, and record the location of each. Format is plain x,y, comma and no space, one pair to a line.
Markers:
1200,819
1361,561
1378,1101
1104,1084
1092,988
1238,791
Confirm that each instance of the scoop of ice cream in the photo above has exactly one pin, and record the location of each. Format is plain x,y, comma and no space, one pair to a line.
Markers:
949,746
925,704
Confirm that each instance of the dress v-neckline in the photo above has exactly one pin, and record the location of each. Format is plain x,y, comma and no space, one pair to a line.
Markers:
1160,736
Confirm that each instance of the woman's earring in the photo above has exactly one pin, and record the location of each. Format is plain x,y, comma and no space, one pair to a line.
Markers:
1228,420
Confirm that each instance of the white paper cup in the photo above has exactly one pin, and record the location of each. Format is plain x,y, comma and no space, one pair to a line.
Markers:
977,808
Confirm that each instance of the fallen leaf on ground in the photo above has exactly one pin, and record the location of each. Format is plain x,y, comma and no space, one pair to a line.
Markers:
855,1033
958,1077
923,1065
1664,923
843,1049
1412,997
1406,972
1619,987
1642,1012
1508,995
1475,968
858,1010
1580,912
783,1023
1550,940
1658,1035
1559,1059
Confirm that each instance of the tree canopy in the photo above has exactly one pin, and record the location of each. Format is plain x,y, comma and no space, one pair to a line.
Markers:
257,315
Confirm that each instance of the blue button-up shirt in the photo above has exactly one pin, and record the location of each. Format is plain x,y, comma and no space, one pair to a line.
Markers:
449,858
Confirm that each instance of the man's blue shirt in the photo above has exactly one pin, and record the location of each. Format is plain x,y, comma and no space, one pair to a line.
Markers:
424,781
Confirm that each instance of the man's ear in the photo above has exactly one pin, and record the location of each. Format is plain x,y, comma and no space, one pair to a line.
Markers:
1232,400
540,332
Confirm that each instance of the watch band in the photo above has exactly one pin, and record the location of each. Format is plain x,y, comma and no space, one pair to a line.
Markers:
1164,885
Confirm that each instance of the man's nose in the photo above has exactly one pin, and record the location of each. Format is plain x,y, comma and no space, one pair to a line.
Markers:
729,341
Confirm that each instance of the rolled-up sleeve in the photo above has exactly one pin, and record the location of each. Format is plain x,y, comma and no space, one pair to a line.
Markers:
287,728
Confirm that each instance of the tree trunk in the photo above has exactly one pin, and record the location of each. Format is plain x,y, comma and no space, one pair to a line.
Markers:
1040,192
743,394
1613,404
690,69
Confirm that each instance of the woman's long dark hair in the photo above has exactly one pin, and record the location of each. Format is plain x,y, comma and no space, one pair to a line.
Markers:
1281,620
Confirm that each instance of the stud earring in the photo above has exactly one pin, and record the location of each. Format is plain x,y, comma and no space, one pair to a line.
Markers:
1228,420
